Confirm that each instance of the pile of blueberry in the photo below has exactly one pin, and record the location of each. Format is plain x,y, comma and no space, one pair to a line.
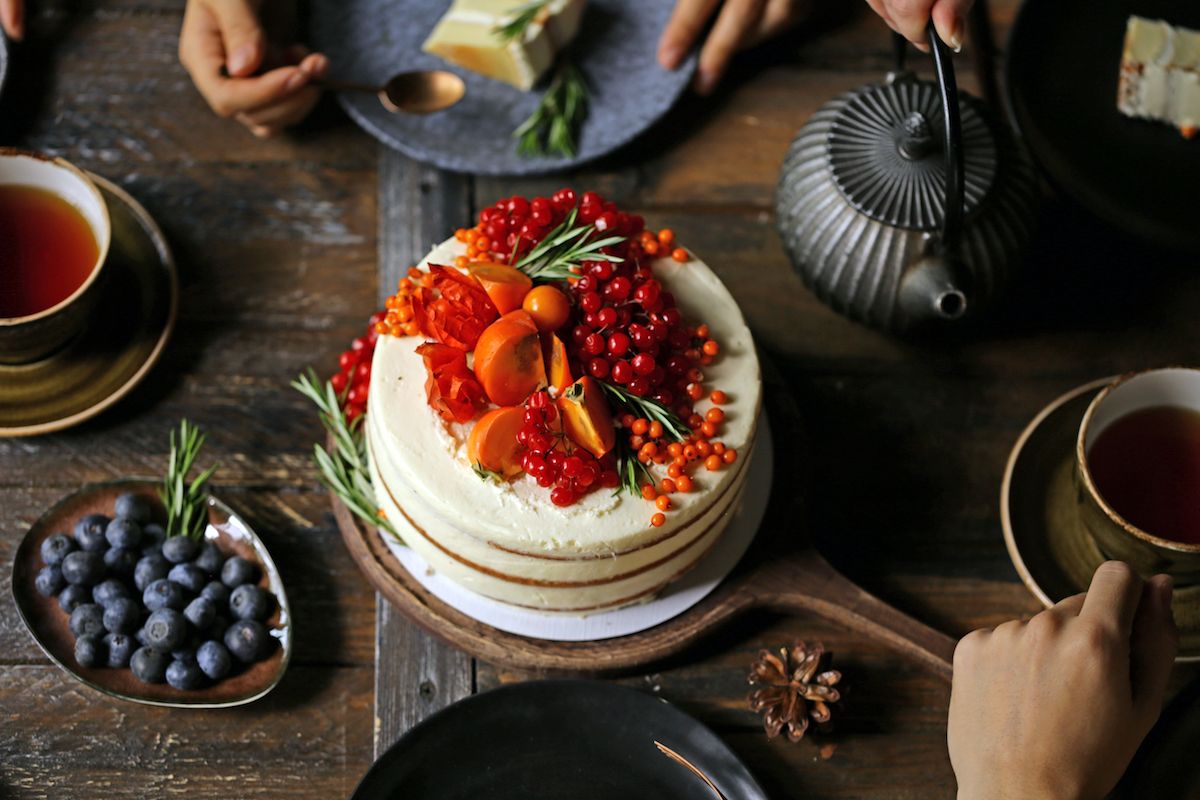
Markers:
169,609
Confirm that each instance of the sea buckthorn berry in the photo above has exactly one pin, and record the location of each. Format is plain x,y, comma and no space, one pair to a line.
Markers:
695,391
690,452
666,485
650,248
656,429
729,456
703,447
411,328
708,430
694,421
715,415
718,397
718,448
711,348
483,243
666,237
648,450
648,492
683,484
658,520
675,471
663,502
679,254
702,331
641,427
381,327
626,420
713,463
636,441
675,449
461,234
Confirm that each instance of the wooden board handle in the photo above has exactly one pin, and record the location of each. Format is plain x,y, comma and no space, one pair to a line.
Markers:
808,582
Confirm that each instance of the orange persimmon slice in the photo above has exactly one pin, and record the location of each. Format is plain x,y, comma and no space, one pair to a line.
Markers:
505,286
554,353
493,443
508,359
586,417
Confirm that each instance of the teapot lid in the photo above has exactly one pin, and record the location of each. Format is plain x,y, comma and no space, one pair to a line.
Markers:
886,152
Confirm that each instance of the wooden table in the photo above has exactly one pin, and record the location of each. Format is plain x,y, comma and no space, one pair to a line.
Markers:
286,246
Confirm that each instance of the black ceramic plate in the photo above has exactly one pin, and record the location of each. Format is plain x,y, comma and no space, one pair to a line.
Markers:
371,40
1063,60
576,740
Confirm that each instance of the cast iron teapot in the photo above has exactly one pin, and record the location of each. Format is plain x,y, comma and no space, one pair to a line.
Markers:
902,209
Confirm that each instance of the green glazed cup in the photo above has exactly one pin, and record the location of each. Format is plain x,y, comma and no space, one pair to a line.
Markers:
29,338
1116,537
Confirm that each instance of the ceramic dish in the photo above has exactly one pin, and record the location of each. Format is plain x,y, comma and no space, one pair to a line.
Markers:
49,624
576,739
1062,67
1052,553
118,348
3,59
367,41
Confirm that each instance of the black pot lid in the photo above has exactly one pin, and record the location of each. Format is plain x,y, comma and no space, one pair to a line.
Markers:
886,151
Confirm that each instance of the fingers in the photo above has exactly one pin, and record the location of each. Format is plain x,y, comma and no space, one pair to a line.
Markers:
12,18
909,18
1113,597
1154,644
737,19
1068,606
950,21
241,35
687,21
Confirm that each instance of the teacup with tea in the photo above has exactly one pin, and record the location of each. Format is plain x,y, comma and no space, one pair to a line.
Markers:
54,238
1138,471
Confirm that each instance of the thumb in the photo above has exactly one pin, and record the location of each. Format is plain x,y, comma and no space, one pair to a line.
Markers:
241,35
1153,644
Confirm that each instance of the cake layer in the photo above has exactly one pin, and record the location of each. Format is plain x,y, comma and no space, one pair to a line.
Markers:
1160,74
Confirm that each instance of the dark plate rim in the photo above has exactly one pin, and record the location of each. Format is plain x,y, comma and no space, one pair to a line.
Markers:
498,694
285,613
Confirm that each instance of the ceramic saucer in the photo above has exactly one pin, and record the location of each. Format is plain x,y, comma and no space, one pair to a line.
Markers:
107,360
1053,555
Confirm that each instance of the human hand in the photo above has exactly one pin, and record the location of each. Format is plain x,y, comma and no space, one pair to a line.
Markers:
740,24
12,18
910,17
1056,707
223,44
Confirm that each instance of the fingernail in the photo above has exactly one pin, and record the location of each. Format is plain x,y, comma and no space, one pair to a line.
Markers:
705,82
669,56
316,64
955,40
297,79
240,59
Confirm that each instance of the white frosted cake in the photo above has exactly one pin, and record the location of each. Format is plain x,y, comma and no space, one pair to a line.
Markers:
1160,74
504,537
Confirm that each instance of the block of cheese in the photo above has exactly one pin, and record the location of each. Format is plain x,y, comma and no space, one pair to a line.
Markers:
1160,74
468,35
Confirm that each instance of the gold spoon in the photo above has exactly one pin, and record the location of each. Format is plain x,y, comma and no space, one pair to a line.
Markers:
417,92
671,754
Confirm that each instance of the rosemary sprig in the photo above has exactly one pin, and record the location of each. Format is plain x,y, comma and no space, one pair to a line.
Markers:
344,466
673,426
552,127
187,511
565,248
632,473
484,474
522,17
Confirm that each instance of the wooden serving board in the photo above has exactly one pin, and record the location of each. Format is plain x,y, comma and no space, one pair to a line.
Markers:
782,571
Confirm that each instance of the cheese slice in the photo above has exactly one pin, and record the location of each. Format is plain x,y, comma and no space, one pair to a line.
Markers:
1160,74
467,36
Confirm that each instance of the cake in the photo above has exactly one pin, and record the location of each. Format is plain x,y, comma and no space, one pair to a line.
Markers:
474,511
1160,74
507,40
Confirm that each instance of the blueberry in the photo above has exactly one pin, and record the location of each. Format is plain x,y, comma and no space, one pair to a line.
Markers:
148,665
149,569
120,647
213,660
210,558
83,568
248,641
166,629
89,651
107,591
189,576
179,549
56,547
201,612
73,596
49,580
250,602
89,532
163,594
141,637
218,627
184,675
134,507
122,615
123,533
121,560
217,592
237,571
153,537
87,620
185,654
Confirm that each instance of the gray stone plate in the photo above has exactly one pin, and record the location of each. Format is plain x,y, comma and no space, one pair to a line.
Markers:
371,40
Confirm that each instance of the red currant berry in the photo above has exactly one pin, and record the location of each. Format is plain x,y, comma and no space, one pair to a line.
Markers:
518,208
590,302
643,363
618,344
618,288
622,371
585,283
641,336
580,333
601,270
339,382
347,360
607,222
598,368
639,386
562,496
606,317
594,344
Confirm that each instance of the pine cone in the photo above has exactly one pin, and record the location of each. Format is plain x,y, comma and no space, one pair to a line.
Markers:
791,690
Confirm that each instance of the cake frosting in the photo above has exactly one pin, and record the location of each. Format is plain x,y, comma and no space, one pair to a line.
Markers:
505,539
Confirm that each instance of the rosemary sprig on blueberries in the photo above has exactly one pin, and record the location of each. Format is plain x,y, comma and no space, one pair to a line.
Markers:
187,511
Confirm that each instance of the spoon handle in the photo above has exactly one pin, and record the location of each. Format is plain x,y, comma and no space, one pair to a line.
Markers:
345,86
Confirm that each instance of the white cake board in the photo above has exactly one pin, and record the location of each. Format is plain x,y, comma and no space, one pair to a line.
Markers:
674,600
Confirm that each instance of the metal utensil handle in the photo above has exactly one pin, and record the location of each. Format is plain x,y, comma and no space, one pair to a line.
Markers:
955,185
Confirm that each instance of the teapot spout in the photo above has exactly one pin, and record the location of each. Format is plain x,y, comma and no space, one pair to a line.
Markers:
933,289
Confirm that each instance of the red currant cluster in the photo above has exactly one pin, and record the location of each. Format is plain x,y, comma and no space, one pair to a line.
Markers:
518,224
354,370
552,460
